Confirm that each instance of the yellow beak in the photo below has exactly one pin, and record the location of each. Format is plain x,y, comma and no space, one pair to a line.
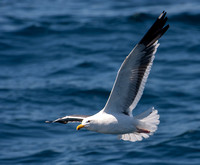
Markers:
79,127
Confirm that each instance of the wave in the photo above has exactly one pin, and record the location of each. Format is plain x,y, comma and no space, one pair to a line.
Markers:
33,30
141,17
69,25
186,17
29,158
180,17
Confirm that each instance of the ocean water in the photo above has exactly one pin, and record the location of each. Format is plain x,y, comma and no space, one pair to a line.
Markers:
60,57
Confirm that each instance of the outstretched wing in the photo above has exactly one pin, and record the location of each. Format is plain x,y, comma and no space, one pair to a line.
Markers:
133,73
67,119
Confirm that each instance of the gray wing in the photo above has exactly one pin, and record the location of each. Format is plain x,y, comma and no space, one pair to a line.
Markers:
133,73
69,119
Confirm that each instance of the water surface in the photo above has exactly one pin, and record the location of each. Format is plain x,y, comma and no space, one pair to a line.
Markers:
61,57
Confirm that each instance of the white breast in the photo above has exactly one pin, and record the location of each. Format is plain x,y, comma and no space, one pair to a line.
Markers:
113,123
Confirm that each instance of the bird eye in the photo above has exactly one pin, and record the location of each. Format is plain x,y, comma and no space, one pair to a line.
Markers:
88,121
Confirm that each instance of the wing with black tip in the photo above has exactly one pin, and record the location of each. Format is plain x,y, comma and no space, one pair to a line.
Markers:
133,73
69,119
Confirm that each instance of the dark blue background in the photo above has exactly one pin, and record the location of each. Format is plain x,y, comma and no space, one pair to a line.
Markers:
60,57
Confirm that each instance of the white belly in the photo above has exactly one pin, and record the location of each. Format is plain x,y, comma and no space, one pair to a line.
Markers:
114,124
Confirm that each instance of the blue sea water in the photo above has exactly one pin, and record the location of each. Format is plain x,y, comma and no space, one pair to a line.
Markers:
60,57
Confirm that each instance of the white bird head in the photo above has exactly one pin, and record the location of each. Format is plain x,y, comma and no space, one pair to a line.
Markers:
87,123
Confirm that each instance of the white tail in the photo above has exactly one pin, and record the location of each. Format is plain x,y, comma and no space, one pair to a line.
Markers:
147,125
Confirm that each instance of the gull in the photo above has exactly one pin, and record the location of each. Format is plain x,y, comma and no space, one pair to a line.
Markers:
116,116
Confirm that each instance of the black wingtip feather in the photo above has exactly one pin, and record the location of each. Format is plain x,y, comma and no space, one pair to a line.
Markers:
57,121
156,30
162,15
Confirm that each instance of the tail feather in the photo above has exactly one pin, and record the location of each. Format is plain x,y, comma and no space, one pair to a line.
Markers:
150,121
147,125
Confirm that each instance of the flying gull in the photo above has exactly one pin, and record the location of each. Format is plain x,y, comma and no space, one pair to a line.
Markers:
116,117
